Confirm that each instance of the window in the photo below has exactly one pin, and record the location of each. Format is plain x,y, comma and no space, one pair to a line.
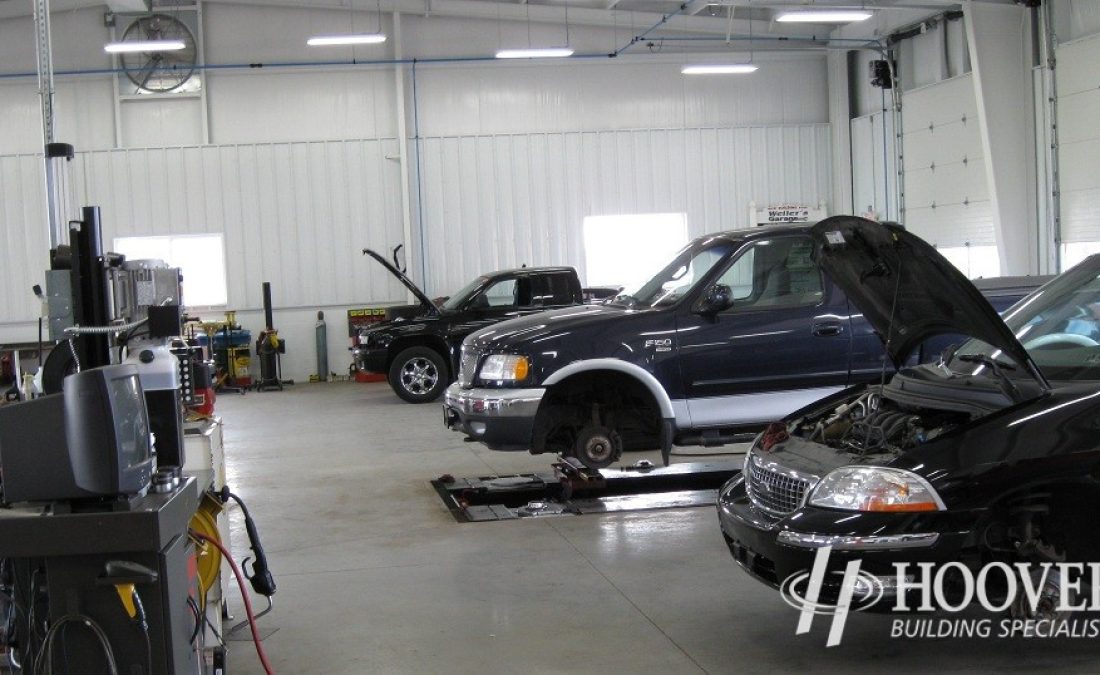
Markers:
627,250
200,257
501,294
974,261
551,289
774,273
1075,252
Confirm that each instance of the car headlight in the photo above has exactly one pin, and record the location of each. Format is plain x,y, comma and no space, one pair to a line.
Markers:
881,489
504,367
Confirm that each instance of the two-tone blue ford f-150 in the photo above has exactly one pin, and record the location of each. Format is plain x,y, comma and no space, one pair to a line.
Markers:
741,328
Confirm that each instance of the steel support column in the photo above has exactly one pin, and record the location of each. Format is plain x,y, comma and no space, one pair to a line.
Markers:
998,42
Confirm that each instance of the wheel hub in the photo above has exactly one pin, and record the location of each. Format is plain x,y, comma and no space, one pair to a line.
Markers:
598,447
419,375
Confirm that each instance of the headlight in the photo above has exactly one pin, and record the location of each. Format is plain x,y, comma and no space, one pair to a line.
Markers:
882,489
504,367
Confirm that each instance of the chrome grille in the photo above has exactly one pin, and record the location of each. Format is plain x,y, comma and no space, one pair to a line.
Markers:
774,491
467,367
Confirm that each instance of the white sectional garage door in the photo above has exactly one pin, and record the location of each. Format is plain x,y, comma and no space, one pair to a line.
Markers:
946,194
1079,146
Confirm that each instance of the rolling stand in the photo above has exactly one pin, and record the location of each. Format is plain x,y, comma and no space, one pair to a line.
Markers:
269,349
82,558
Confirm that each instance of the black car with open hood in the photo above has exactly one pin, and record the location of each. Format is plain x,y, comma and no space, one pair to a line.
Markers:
419,353
989,454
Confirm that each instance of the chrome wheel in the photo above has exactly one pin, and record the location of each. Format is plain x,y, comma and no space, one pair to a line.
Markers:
419,376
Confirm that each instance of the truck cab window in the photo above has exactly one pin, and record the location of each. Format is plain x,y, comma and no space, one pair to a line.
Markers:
499,294
774,273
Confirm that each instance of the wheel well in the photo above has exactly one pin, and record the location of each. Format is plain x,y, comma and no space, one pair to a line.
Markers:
435,344
616,399
1062,514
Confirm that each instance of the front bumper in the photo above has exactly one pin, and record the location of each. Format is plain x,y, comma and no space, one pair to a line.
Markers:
370,360
773,549
502,419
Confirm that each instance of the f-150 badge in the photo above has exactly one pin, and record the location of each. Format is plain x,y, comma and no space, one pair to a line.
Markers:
662,345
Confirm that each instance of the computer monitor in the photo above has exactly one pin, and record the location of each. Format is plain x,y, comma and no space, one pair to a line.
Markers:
91,441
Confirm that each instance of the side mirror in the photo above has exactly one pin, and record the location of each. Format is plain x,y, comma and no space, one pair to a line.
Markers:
717,298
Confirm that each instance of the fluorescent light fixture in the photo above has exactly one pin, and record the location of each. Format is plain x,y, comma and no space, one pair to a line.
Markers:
143,46
535,53
823,16
719,69
350,39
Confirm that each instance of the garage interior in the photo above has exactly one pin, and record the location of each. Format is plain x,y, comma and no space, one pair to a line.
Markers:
259,160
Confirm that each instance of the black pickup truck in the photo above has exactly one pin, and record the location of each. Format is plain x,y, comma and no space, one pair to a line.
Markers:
419,354
740,329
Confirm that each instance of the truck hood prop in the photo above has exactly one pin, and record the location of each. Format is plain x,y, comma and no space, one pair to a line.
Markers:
429,306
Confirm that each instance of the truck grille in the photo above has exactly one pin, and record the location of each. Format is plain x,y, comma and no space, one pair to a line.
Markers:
774,491
467,367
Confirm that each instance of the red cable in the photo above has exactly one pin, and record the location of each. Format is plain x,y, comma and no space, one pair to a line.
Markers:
247,602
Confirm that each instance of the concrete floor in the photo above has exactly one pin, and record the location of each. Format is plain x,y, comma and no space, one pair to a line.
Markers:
375,576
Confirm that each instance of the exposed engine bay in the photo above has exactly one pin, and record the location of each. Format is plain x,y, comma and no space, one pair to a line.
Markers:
891,419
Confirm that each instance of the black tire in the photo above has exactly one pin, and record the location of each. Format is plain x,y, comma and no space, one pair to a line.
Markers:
597,447
419,375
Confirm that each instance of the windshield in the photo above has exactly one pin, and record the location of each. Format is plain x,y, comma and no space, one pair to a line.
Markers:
458,299
677,278
1058,325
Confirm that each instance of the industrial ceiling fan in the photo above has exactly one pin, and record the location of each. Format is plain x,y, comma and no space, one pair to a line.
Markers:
159,72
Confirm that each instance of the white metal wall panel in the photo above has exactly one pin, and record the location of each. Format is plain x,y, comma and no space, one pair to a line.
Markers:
649,94
249,107
946,192
294,214
23,236
874,171
159,123
492,202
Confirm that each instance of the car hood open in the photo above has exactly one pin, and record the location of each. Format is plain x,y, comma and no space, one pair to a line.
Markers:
907,290
429,306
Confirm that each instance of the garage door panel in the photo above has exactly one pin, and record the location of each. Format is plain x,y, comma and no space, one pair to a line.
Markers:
949,184
1080,164
946,143
1082,209
1077,69
954,225
1079,116
939,104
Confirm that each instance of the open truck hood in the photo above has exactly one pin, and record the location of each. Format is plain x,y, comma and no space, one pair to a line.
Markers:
429,306
907,290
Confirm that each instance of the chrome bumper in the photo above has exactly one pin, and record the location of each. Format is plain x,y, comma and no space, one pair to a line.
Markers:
502,419
493,403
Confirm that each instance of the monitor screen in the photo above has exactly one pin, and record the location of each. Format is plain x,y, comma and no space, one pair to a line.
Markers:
130,421
90,442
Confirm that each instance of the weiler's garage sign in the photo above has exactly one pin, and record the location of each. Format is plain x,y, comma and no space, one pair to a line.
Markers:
777,214
788,214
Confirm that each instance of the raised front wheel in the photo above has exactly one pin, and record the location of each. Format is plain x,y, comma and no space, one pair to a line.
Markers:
597,446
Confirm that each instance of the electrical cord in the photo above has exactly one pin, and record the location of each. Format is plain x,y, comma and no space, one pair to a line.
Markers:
256,641
104,330
44,664
262,581
198,618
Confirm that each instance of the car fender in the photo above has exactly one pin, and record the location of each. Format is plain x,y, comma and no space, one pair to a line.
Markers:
637,372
